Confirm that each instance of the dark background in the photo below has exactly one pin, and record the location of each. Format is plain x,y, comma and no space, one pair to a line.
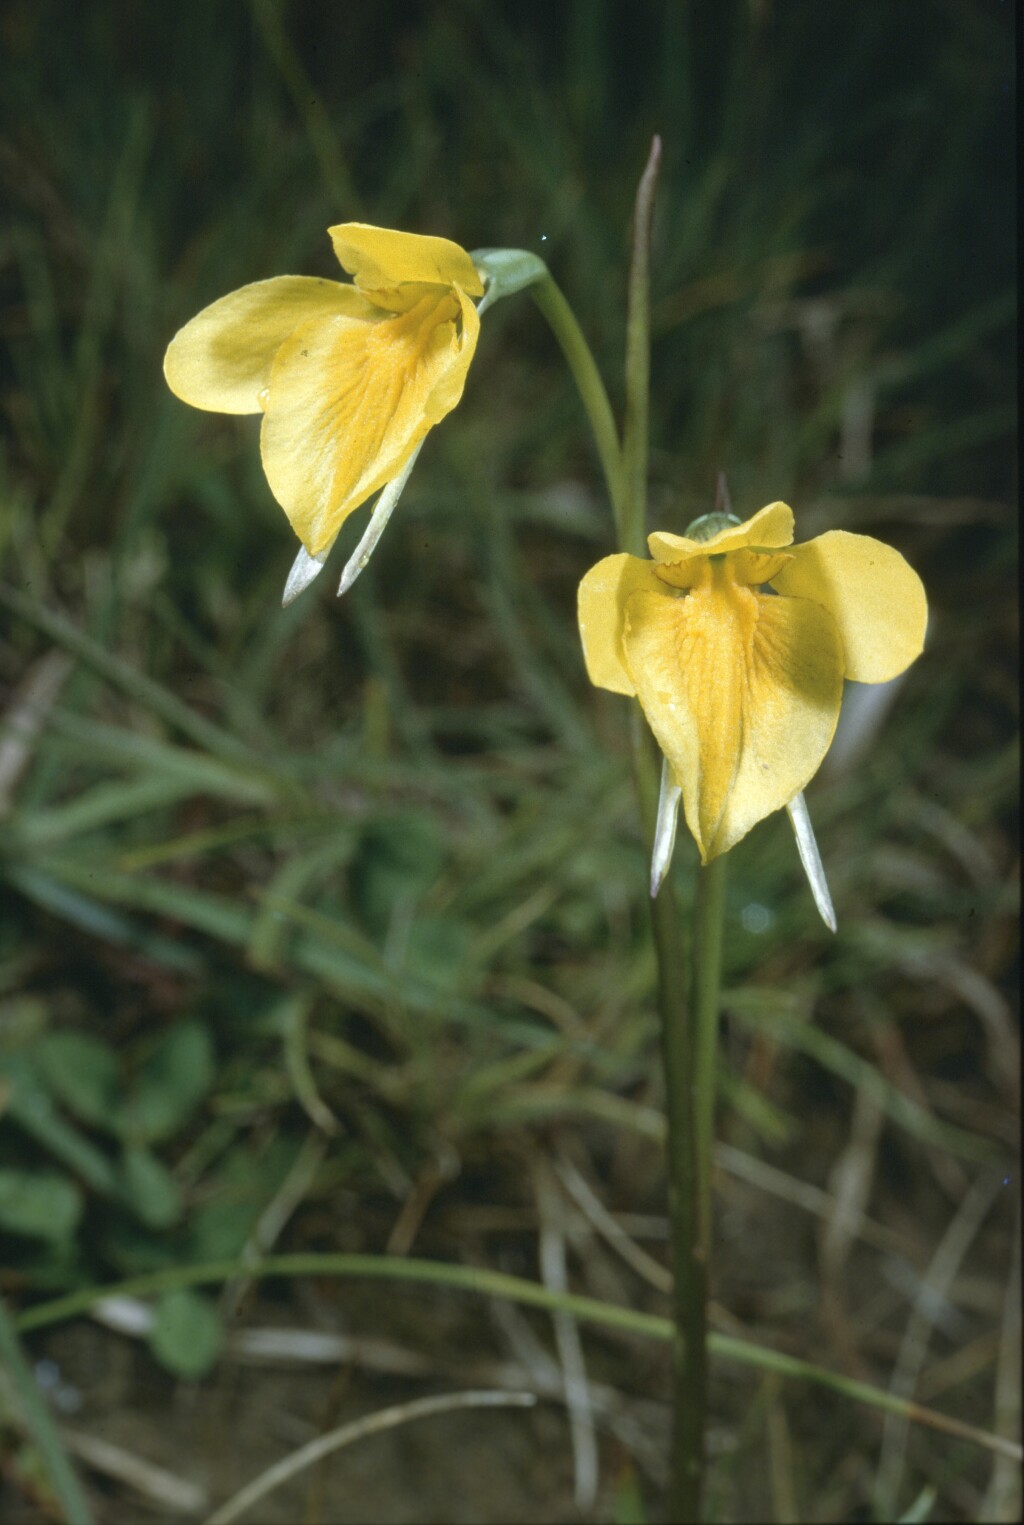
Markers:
323,928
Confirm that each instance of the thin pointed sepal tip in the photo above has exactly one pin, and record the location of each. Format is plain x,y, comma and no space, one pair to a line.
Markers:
810,858
665,828
305,568
382,511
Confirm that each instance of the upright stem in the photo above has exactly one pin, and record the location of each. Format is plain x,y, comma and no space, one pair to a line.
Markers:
687,1181
685,1054
688,1029
707,982
562,322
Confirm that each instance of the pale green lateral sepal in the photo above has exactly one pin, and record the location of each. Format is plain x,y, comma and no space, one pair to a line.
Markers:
382,511
506,271
807,847
305,569
665,827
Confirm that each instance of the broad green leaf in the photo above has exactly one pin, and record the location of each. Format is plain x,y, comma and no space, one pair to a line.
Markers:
219,1230
173,1081
29,1105
437,951
399,856
41,1204
149,1188
83,1072
187,1335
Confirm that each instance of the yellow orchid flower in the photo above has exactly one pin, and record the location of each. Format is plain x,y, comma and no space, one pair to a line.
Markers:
349,377
737,647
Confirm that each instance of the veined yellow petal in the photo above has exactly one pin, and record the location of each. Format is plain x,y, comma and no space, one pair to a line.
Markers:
382,257
221,359
351,397
770,527
742,691
601,603
876,599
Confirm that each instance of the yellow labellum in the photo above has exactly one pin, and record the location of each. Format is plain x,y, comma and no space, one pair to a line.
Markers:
737,651
349,378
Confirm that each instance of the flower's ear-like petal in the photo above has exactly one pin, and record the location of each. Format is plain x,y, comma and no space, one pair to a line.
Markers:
383,257
601,604
770,528
681,574
753,568
748,568
877,600
222,359
351,398
742,691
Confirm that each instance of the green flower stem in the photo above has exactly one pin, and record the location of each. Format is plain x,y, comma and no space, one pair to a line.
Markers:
688,1029
562,322
685,1054
689,1034
686,1181
707,984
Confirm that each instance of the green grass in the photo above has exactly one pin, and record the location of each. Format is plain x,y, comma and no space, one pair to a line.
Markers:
371,870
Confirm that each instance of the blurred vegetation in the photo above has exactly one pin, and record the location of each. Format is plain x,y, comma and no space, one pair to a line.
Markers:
323,927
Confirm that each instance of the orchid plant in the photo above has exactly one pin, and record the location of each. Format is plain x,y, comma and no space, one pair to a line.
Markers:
735,642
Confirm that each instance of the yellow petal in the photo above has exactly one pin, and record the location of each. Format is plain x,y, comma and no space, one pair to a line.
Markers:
351,397
382,257
602,601
742,691
221,360
770,527
876,599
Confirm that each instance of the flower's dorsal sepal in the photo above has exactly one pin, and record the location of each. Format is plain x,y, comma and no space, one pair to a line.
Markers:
665,827
382,511
384,259
506,271
807,847
305,569
770,529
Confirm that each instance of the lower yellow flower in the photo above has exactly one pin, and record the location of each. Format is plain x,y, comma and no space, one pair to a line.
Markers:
349,377
737,648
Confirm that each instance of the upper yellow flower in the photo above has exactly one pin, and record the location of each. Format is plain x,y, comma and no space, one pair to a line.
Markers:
737,650
349,377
